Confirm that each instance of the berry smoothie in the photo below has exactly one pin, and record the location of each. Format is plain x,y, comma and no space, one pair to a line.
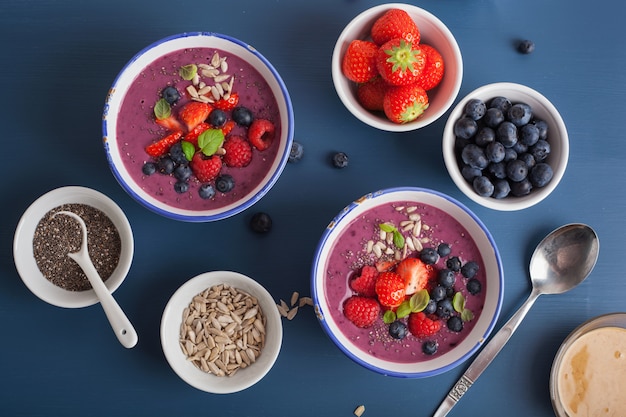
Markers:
352,251
136,126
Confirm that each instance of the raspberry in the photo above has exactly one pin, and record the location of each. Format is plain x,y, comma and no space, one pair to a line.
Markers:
261,133
361,311
238,152
421,326
365,284
205,169
390,289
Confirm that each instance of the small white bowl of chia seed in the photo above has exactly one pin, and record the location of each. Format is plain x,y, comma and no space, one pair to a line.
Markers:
43,240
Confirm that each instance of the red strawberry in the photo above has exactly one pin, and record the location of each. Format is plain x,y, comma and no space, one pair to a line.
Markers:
227,104
361,311
170,123
390,289
422,326
194,113
261,133
238,152
415,274
228,126
193,134
382,266
365,283
162,146
395,23
205,169
432,74
359,62
372,93
400,62
404,104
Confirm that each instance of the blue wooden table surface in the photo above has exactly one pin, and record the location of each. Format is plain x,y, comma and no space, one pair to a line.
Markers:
59,59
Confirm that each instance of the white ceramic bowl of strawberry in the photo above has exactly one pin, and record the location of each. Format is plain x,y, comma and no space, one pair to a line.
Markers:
434,33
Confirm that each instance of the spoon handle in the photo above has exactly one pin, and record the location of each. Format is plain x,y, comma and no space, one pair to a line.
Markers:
485,357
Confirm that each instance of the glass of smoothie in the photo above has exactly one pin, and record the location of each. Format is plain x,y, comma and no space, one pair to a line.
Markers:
198,126
448,298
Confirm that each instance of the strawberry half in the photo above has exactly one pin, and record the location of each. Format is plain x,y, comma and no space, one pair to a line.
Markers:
415,274
395,23
194,113
359,61
170,123
162,146
192,135
400,62
404,104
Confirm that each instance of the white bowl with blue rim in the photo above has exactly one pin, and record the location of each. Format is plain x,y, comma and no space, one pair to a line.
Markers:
116,152
330,313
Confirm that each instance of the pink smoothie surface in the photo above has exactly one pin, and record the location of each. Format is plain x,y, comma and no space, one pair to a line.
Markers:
136,126
350,254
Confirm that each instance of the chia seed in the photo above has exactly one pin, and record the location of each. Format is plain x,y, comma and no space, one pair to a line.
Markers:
55,237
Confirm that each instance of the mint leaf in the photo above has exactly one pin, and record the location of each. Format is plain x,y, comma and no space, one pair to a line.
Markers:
419,300
187,72
162,109
210,140
458,302
403,310
386,227
389,317
398,239
188,149
467,315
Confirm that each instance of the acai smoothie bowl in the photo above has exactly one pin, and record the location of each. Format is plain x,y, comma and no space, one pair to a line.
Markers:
198,126
407,282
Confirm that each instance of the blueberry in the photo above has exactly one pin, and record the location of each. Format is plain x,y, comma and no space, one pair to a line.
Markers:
454,264
206,191
474,286
444,308
501,103
526,46
485,136
429,347
528,159
519,114
522,188
177,154
446,278
501,188
455,324
224,183
493,117
506,133
540,150
519,147
540,175
149,168
465,127
431,307
516,170
443,249
497,170
182,172
296,152
438,293
181,186
166,165
483,186
469,269
261,222
474,156
397,330
475,109
543,128
529,134
170,94
217,118
429,256
242,116
495,152
469,173
340,160
509,154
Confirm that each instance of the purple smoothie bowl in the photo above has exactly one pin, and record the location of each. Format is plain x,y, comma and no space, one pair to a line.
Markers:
345,247
129,124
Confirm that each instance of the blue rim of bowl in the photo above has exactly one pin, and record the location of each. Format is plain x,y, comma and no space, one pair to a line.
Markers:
250,201
316,295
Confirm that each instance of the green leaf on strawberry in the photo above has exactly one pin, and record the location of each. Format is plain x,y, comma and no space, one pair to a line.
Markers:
210,141
162,109
403,309
188,149
398,239
389,317
419,300
187,72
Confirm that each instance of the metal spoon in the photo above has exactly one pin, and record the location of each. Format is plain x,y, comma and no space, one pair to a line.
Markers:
122,327
561,261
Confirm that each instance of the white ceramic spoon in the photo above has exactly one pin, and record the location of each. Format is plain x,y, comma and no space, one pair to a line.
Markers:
122,327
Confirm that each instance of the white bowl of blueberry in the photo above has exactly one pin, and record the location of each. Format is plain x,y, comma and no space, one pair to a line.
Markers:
505,146
198,126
